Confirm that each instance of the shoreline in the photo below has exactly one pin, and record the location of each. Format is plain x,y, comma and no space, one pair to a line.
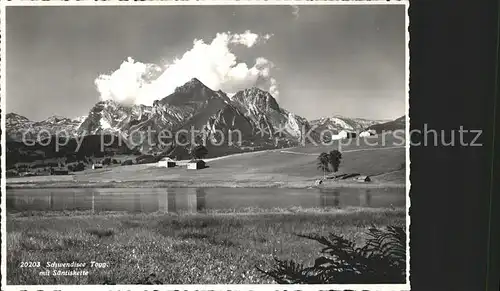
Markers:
193,184
249,211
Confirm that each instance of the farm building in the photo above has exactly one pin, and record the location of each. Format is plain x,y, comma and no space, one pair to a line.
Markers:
196,165
96,166
167,163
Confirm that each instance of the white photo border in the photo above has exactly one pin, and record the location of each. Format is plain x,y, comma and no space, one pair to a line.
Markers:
378,287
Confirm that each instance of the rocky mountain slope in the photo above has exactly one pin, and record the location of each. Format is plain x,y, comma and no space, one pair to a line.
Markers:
18,126
267,116
254,113
338,123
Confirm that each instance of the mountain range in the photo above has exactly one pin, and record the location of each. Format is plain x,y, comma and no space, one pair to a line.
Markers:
16,125
254,112
337,123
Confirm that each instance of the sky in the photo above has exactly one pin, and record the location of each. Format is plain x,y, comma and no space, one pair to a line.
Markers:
317,61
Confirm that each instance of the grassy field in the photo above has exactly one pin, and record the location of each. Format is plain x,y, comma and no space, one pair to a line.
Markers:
296,167
212,248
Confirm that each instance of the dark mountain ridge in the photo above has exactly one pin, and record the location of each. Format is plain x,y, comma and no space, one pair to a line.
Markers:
397,124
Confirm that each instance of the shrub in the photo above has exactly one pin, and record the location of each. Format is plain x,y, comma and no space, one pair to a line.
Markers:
79,167
127,163
70,158
381,260
146,159
53,164
106,162
199,152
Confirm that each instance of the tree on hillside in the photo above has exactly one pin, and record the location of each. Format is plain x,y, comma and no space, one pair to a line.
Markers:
323,163
334,158
199,152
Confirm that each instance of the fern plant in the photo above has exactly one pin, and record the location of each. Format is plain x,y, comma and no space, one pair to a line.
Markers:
381,260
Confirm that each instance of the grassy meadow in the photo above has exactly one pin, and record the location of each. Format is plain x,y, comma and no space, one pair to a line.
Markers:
293,168
210,248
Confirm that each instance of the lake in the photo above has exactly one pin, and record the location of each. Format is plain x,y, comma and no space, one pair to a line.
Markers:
177,200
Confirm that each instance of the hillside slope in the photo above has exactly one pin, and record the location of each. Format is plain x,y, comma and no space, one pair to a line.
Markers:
397,124
284,168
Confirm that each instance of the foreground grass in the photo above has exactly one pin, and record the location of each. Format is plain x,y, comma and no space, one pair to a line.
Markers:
210,248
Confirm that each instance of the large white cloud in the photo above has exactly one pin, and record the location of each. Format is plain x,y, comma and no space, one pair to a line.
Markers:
212,63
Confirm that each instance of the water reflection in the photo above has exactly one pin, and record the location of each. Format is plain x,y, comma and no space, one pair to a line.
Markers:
330,199
171,201
177,200
365,198
137,203
201,201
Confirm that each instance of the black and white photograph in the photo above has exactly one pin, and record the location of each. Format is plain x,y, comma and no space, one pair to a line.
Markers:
241,144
